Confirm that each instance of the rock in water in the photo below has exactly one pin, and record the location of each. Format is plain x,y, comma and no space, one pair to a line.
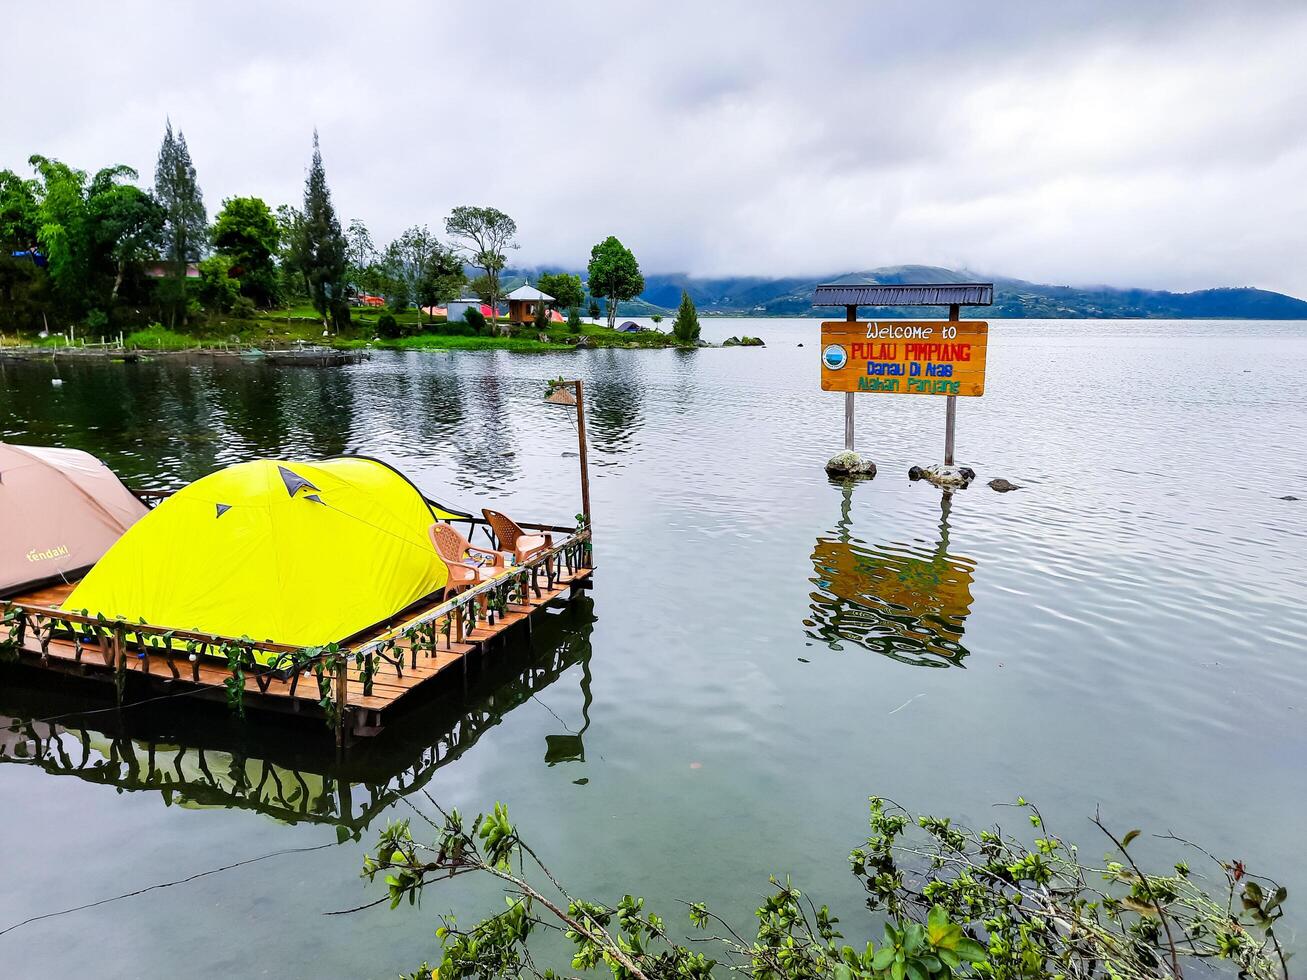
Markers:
1288,498
1002,485
943,476
849,463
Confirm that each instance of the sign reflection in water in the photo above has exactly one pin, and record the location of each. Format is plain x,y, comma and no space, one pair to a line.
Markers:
287,774
904,601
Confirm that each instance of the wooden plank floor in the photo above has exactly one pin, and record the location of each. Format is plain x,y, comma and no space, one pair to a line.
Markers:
388,687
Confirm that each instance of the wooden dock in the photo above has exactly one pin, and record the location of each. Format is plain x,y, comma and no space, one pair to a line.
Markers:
356,686
287,772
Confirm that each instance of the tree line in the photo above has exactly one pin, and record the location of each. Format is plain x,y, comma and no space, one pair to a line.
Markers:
102,252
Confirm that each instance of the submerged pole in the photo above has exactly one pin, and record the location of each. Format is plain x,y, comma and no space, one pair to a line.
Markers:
585,462
950,405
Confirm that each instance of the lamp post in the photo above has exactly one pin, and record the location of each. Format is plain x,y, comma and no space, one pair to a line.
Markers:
563,392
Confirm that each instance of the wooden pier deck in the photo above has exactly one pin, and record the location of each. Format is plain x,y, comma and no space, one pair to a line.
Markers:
289,773
364,680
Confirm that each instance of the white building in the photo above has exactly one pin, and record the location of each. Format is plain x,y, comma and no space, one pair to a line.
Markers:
457,308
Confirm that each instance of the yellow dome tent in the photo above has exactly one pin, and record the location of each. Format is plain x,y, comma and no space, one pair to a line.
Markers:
287,552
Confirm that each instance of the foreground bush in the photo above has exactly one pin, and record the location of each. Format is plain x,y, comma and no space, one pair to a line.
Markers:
956,902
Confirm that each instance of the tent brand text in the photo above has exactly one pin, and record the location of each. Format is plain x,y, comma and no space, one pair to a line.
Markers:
59,552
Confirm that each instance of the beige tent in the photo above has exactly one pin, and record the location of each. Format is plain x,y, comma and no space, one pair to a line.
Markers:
60,511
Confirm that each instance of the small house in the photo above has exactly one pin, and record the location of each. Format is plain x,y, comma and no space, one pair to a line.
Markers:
523,302
457,308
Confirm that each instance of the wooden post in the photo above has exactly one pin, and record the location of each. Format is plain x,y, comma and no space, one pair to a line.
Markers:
950,405
342,696
850,314
585,462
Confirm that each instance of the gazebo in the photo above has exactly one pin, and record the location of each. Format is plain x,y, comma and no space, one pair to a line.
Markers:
522,303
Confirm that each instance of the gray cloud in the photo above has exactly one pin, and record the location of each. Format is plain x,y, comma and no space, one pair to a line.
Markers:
1125,142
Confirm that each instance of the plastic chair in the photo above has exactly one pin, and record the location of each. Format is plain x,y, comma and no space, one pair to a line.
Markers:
465,570
512,538
523,546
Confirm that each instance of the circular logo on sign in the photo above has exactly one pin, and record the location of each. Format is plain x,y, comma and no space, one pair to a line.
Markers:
834,357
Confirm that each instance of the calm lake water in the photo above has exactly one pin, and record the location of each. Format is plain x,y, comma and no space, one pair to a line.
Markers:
762,650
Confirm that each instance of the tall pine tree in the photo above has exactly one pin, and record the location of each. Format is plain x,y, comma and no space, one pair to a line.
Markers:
325,249
685,328
185,228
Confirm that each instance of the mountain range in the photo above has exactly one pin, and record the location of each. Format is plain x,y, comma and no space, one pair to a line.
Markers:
1016,298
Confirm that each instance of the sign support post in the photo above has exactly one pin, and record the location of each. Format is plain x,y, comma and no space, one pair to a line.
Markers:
851,315
950,404
906,357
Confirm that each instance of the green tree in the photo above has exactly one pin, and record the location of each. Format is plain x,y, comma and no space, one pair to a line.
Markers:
219,286
324,248
246,231
24,286
126,226
292,260
481,288
685,328
185,226
483,235
428,272
564,288
362,262
614,275
63,232
19,221
574,319
594,310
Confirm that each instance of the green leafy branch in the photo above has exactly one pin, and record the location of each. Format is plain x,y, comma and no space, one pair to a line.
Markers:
794,938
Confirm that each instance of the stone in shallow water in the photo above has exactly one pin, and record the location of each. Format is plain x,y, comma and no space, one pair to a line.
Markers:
849,463
943,476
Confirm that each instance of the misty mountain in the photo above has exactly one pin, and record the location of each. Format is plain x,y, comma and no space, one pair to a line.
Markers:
1017,298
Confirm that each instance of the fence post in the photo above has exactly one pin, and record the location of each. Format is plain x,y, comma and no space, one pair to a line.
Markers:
342,697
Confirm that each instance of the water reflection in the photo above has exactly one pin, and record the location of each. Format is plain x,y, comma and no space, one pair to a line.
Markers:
289,773
614,404
905,601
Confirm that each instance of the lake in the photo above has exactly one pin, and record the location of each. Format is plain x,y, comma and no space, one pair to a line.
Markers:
763,648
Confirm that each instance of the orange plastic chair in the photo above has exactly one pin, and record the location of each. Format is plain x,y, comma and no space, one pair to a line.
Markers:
513,539
468,566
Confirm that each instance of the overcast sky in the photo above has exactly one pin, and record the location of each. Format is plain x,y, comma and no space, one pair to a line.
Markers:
1131,143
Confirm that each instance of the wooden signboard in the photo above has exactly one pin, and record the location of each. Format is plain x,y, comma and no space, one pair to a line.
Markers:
917,357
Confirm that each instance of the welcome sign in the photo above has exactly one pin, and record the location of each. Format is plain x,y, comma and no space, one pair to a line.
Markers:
918,357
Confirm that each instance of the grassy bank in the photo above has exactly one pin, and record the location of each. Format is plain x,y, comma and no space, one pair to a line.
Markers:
278,328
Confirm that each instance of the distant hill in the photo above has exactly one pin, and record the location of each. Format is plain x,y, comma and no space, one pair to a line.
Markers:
792,296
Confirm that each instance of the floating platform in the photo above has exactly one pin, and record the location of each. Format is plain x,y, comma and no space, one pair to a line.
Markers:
313,357
189,756
219,353
357,686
